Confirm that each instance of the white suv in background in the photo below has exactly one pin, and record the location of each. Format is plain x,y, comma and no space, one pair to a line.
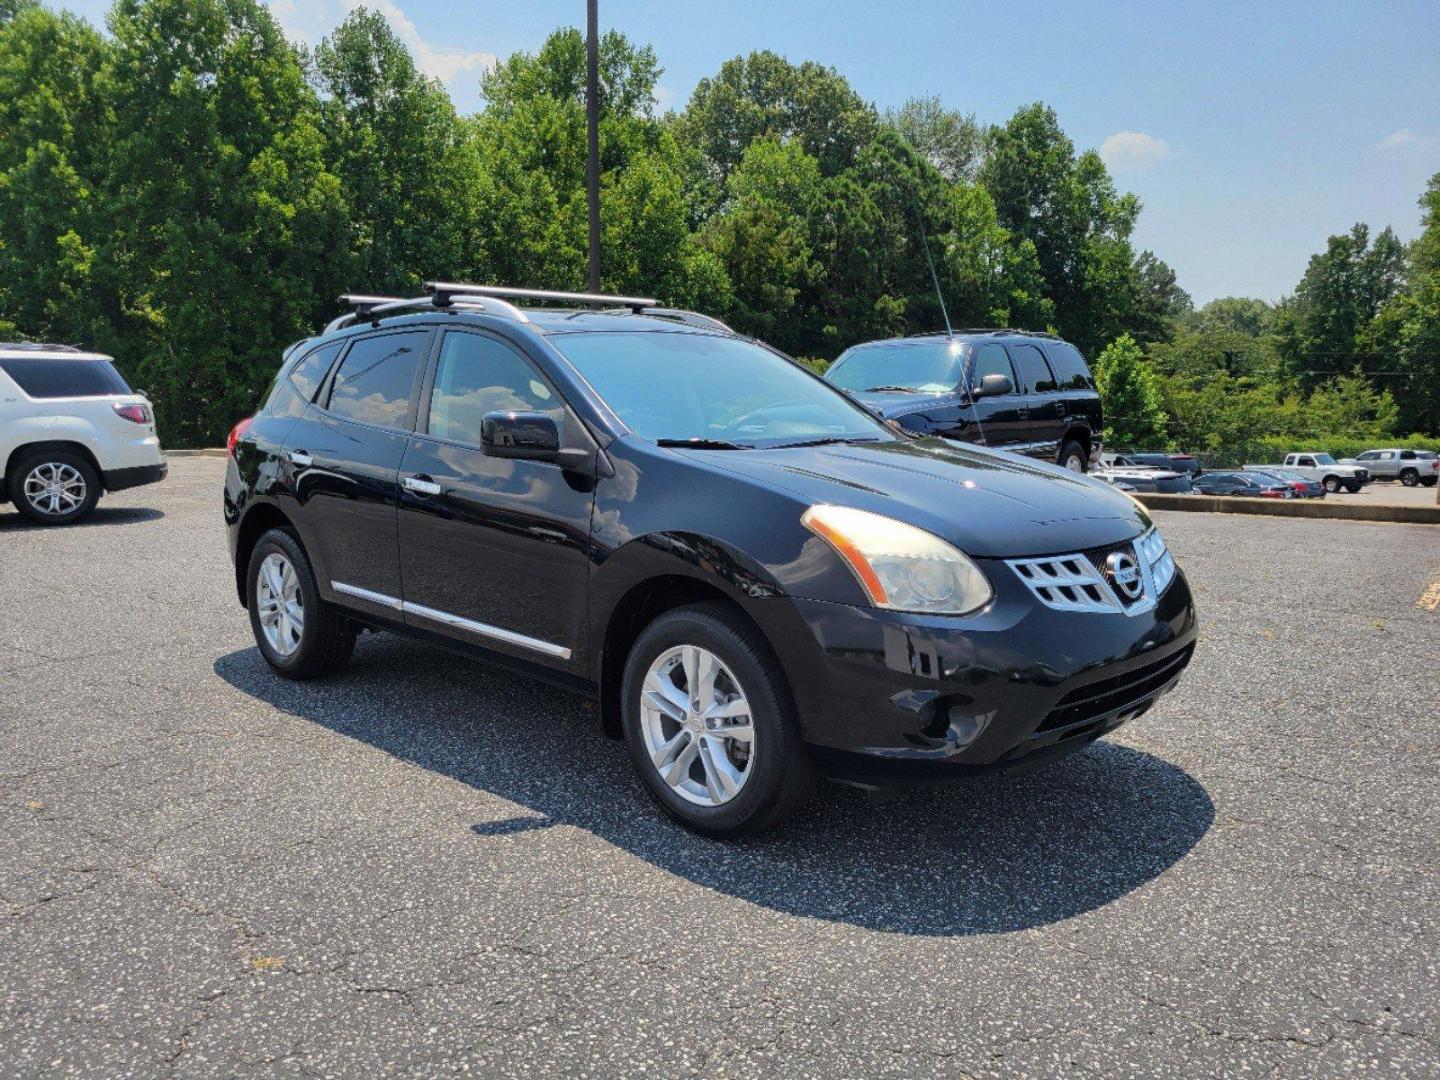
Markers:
70,428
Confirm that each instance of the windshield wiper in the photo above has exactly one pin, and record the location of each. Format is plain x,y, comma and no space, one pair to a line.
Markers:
889,389
829,440
703,444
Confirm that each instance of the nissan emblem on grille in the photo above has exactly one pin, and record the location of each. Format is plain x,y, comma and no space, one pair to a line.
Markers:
1124,574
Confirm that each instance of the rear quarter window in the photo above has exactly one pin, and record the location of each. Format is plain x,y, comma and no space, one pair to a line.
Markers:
1071,371
50,378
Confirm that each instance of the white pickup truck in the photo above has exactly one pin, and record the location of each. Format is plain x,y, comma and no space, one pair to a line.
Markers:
1317,466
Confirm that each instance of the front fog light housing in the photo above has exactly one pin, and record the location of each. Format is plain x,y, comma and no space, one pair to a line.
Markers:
900,567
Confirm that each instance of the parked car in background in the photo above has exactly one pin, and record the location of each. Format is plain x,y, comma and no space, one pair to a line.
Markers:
1026,392
1410,467
1250,484
757,578
1146,479
1303,486
1180,463
1314,465
70,429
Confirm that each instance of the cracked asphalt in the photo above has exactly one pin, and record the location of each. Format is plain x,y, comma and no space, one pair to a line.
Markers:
428,867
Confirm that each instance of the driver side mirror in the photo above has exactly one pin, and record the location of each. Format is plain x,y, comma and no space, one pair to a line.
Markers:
993,386
532,436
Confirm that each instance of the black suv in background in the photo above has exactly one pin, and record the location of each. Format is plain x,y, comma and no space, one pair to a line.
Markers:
757,578
1022,391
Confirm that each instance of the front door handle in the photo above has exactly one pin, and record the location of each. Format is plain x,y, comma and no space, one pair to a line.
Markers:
301,458
421,485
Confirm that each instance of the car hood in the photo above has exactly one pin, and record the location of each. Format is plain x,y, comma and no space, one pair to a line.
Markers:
988,503
888,403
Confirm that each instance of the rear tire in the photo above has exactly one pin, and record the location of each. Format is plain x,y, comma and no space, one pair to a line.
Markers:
711,783
299,634
1409,478
1430,481
1352,486
54,487
1073,457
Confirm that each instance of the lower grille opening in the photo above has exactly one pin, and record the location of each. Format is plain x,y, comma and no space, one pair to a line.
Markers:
1094,699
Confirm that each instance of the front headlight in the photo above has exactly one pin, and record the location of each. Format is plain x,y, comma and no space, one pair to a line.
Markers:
900,567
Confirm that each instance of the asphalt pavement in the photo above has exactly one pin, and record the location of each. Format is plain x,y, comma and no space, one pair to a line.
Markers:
428,867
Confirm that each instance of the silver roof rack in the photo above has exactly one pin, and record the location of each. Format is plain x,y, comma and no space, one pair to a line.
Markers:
447,290
364,306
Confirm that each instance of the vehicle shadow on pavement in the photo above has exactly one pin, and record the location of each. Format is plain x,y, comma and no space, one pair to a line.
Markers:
100,516
989,856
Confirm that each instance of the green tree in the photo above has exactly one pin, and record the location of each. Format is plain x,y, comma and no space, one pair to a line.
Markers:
225,220
951,141
405,166
1322,327
763,95
1080,226
53,138
1405,336
1131,396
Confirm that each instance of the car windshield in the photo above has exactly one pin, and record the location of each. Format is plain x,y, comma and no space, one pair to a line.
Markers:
677,386
930,367
1324,459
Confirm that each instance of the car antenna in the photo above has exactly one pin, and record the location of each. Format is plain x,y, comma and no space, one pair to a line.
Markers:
944,314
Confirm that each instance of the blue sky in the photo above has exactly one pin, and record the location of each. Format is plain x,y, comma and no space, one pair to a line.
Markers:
1250,131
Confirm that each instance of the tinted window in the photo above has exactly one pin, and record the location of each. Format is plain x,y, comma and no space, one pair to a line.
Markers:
478,375
931,367
1071,371
1407,455
697,386
1369,455
375,378
1034,372
992,360
65,378
310,372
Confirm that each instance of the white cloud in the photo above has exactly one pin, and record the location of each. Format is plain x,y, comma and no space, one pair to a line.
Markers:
1133,150
1399,140
309,21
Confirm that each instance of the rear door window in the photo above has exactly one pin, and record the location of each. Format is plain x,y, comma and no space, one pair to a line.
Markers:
54,378
1071,371
1034,371
310,372
376,379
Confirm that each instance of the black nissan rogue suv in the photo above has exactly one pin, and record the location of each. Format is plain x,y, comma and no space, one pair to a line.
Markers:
1027,392
758,579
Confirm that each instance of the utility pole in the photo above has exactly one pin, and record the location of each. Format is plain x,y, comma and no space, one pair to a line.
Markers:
592,122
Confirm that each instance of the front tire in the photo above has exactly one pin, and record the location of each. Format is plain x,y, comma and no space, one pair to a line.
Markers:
1073,457
54,487
299,634
710,725
1353,486
1332,484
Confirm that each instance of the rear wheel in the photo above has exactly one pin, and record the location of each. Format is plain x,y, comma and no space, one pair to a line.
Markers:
300,635
1409,478
1352,486
1430,481
1073,456
710,725
54,487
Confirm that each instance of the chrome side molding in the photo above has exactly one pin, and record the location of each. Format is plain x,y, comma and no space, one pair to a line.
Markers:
445,618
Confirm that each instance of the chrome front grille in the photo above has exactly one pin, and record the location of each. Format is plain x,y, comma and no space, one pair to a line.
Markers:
1082,581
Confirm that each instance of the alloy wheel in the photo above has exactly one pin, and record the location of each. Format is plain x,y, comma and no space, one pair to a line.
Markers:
281,606
55,488
697,725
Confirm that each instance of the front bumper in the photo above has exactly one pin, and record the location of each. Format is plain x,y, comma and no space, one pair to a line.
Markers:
892,698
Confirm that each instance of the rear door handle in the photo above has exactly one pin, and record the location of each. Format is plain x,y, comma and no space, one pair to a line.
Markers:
301,458
421,485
